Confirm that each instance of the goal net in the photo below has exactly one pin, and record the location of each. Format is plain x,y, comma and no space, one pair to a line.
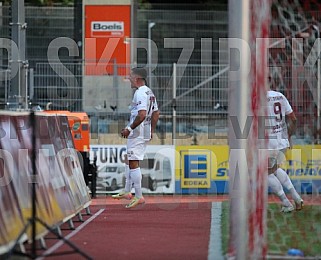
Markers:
282,43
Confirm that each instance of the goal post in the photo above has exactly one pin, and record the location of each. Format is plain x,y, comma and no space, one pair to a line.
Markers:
248,45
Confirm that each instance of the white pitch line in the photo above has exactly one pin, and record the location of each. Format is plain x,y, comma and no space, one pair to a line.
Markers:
61,242
215,243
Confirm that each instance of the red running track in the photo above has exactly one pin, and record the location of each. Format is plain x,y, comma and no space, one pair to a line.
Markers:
166,227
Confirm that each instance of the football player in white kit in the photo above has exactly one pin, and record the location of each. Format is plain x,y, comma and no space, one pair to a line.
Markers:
139,131
281,125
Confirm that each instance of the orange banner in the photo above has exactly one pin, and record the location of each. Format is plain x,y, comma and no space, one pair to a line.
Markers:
106,38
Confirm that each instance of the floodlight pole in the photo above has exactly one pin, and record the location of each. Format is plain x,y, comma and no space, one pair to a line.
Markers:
149,56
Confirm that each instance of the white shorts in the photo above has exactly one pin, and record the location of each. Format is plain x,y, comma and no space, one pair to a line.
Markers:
276,157
136,149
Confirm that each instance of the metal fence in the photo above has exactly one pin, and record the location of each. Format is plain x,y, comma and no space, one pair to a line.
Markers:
201,91
201,97
59,84
201,94
192,24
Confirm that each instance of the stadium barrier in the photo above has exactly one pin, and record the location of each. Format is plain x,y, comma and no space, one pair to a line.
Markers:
60,188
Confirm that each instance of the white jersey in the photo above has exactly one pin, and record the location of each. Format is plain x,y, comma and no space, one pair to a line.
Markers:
276,128
144,99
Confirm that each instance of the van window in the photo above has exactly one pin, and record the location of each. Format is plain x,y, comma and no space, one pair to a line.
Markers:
166,165
147,163
157,166
109,169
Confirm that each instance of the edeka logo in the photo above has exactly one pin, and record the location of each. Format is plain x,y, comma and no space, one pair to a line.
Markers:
298,170
222,171
196,169
111,29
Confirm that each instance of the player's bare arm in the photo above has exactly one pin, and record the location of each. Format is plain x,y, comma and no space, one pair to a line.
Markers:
138,120
154,120
291,123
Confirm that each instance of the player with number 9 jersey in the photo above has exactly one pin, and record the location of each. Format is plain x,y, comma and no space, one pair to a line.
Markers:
278,107
281,125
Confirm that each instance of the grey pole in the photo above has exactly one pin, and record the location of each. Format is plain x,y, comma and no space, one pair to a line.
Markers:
174,104
17,93
239,19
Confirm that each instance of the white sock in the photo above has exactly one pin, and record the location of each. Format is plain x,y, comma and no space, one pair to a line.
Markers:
276,188
136,177
128,183
286,182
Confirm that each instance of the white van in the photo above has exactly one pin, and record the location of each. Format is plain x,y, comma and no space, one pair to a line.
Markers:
156,171
110,177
